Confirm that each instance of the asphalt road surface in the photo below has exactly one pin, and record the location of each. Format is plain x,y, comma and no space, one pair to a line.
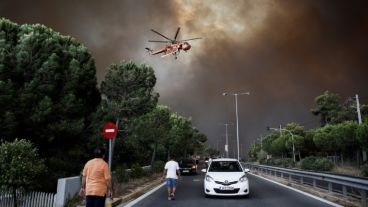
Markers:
262,194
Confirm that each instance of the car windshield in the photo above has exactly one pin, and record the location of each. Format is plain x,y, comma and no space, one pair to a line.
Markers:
225,166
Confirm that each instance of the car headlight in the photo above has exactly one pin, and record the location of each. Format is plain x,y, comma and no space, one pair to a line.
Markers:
243,178
194,167
209,178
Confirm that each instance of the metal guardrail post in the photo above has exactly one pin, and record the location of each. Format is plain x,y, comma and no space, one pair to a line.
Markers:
344,192
314,183
329,187
363,195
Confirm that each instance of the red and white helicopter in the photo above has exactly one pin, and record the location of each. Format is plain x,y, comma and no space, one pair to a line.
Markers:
174,47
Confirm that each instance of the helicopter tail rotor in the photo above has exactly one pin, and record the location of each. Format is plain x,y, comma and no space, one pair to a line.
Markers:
149,50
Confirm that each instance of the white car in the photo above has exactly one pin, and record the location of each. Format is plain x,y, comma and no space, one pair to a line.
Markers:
226,177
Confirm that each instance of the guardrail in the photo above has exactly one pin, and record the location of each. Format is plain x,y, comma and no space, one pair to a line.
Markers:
347,186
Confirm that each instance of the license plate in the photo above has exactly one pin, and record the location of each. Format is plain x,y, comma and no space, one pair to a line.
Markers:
185,170
226,188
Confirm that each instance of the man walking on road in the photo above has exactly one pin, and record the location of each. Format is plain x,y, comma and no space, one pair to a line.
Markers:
96,181
171,173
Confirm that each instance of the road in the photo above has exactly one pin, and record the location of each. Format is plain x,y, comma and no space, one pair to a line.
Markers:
262,194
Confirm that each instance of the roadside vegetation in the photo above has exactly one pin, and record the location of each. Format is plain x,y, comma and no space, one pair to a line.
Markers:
338,145
50,97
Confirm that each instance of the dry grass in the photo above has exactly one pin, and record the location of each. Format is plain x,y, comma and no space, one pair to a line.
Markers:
347,170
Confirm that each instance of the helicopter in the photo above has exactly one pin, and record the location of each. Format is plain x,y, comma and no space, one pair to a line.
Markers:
174,47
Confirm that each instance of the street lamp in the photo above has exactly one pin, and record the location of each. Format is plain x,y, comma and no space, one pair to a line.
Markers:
236,112
292,137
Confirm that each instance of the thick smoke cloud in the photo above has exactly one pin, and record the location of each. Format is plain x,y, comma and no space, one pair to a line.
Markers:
284,52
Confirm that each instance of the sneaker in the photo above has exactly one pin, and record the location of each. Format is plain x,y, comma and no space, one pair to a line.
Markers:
169,198
172,196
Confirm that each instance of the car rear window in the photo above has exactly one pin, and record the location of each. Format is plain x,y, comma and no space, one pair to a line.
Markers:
225,166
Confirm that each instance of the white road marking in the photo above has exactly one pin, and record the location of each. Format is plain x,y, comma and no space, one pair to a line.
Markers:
144,195
302,192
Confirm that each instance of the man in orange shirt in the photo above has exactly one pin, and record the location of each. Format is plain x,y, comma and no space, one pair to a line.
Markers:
96,181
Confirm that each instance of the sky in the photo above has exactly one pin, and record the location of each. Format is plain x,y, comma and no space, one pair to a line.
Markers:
284,52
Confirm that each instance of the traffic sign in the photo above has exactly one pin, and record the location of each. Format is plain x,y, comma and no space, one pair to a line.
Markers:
110,130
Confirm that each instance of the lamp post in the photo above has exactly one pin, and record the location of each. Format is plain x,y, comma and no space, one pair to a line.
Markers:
236,112
292,137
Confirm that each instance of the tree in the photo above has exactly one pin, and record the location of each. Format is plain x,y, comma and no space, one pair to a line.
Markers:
324,140
127,92
362,134
150,130
48,91
327,106
181,139
20,166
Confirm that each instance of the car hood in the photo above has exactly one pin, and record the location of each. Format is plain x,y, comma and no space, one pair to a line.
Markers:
229,176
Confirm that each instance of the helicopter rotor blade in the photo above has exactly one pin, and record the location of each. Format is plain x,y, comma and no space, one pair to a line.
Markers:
197,38
176,34
161,41
162,35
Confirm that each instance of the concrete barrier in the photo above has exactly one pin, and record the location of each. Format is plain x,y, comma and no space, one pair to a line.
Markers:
67,188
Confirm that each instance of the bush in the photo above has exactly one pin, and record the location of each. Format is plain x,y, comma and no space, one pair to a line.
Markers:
158,166
261,155
364,169
316,164
137,171
121,175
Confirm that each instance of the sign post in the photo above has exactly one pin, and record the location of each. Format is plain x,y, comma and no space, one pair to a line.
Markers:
110,130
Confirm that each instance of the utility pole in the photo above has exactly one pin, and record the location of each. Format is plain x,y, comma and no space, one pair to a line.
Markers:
364,153
358,109
261,142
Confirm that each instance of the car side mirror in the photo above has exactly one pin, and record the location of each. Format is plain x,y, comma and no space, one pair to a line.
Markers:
204,170
246,170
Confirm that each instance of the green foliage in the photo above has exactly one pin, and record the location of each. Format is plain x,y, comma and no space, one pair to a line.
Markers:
324,139
212,152
158,166
149,131
50,81
20,165
336,138
362,134
128,90
261,155
326,106
316,164
136,171
121,175
254,150
364,169
279,162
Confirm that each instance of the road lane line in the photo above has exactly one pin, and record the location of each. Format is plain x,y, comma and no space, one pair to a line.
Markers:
302,192
135,201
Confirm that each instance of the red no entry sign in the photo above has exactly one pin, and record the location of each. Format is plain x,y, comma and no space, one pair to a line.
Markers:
110,130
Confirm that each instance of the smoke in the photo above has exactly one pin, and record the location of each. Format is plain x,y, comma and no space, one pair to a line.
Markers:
285,53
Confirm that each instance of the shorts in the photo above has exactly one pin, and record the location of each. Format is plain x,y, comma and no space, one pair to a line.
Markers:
171,182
